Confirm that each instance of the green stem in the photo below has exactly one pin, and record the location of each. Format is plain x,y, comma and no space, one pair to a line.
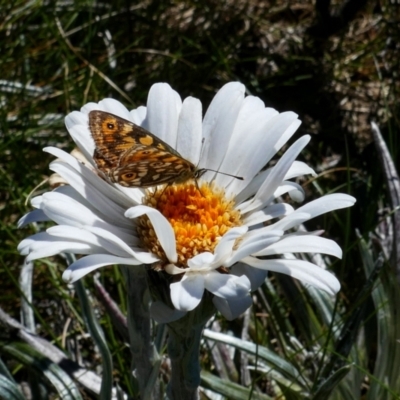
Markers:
184,350
145,359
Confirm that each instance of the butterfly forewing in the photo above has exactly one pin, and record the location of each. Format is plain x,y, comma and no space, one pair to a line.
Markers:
111,136
131,156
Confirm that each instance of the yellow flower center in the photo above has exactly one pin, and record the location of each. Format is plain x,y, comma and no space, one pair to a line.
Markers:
199,219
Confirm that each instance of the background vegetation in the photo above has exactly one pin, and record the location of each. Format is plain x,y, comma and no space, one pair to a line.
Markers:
336,65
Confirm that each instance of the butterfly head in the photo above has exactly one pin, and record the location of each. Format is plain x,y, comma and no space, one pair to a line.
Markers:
199,173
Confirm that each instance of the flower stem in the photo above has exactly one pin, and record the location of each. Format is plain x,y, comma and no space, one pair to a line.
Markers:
145,359
184,350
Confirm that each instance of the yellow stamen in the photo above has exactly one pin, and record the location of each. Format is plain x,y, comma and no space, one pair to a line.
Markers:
199,219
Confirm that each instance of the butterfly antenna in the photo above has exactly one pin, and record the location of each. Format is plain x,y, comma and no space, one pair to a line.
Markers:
224,173
213,170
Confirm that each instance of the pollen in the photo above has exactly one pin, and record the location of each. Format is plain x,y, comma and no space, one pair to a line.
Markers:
199,219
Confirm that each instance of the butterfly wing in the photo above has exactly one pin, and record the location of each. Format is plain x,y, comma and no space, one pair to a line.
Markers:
145,166
133,157
114,136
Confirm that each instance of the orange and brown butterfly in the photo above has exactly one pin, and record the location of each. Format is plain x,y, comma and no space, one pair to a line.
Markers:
131,156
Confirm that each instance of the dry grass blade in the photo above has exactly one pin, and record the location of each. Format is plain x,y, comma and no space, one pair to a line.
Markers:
86,378
393,185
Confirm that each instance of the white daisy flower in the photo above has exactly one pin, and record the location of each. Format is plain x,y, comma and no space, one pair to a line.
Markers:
212,239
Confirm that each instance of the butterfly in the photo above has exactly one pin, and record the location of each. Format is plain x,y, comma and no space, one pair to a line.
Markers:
131,156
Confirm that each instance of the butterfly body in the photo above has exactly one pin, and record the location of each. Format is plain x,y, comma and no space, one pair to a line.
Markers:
131,156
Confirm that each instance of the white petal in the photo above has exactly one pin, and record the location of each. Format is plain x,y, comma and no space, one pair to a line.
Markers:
232,308
139,115
116,245
70,198
288,133
190,130
134,194
264,233
69,232
297,194
302,244
85,109
89,178
33,216
75,118
43,245
162,228
174,270
69,192
87,264
223,250
93,196
290,221
77,124
251,115
109,105
266,139
25,245
256,276
186,294
252,186
37,201
49,248
299,168
273,211
218,125
253,244
265,193
66,211
294,190
201,261
327,203
315,208
226,285
103,240
299,269
163,108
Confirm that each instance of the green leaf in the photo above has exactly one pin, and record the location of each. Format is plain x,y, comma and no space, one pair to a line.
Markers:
385,381
273,360
231,390
9,390
326,388
97,335
42,366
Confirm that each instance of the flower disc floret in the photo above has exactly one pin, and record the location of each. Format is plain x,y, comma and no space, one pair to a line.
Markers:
199,218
